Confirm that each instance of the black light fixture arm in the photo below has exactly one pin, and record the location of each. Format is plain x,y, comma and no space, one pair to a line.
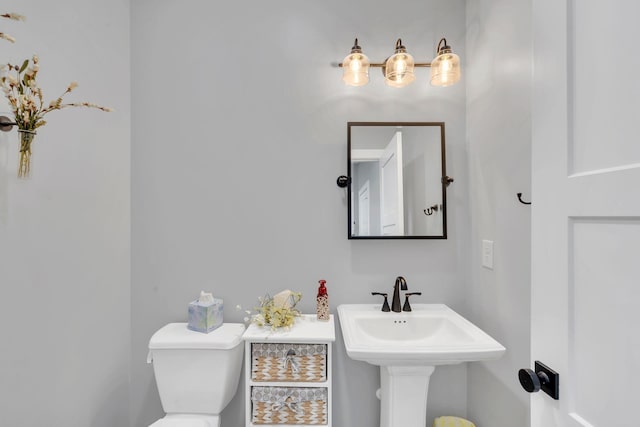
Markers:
442,47
382,64
399,48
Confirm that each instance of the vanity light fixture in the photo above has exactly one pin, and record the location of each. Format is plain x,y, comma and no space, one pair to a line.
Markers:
398,68
356,67
445,68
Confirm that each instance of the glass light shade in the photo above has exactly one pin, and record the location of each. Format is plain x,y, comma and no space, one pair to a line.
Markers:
445,69
398,70
355,69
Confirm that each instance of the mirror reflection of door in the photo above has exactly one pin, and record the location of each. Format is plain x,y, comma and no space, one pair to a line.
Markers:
391,194
364,210
404,163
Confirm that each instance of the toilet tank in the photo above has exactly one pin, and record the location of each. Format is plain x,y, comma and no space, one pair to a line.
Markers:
196,373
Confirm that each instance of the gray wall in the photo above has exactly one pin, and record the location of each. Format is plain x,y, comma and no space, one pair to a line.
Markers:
499,65
236,110
237,193
64,234
421,157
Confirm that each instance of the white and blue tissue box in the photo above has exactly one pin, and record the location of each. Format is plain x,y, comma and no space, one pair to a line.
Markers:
205,316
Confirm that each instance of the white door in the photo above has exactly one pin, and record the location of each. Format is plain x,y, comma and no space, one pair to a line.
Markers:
391,188
586,211
364,210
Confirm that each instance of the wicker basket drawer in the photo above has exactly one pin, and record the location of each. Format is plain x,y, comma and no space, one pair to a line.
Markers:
288,362
289,405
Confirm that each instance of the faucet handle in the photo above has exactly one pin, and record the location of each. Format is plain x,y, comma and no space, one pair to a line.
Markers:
385,304
406,306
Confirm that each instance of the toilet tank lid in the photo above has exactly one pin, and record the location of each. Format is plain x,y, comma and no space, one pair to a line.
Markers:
178,336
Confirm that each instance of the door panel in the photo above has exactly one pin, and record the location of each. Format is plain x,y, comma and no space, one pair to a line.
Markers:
604,97
392,189
585,213
603,281
364,210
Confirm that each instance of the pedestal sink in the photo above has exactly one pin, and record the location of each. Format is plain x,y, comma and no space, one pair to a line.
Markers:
408,346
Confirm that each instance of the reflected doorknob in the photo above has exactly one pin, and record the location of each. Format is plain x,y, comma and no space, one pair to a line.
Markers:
542,378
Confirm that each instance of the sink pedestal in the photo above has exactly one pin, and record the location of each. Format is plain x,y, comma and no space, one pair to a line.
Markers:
403,395
408,346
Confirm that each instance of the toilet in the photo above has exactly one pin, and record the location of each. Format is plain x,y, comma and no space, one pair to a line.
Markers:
197,373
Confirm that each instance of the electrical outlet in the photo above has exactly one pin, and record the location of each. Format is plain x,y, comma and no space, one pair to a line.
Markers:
487,254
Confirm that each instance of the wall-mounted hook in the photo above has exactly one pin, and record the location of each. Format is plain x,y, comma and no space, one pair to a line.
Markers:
343,181
446,180
6,124
522,201
431,210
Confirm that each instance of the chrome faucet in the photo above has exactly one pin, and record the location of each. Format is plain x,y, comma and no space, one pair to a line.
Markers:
401,285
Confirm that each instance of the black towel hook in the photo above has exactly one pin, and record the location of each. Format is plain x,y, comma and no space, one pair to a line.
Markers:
431,210
522,201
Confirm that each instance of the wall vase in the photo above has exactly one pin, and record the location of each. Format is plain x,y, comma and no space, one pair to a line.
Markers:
26,138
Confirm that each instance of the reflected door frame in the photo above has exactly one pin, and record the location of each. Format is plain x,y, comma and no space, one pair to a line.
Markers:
364,210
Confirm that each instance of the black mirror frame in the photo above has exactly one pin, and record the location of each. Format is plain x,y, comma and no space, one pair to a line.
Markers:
445,181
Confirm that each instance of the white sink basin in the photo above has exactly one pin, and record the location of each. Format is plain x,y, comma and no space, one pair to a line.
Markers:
430,335
408,346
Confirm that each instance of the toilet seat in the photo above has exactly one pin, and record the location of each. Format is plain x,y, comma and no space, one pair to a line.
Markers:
187,421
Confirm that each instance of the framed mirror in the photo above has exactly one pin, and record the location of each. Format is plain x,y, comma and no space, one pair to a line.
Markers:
397,180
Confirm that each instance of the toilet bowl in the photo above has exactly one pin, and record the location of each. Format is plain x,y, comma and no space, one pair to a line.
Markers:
197,374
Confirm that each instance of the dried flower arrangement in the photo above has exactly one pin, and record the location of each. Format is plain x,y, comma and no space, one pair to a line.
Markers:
25,96
27,102
278,311
14,17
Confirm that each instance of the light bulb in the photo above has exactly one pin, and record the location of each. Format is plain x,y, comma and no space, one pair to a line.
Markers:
356,67
445,68
398,69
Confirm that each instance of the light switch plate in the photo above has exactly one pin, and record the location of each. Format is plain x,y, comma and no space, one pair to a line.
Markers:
487,254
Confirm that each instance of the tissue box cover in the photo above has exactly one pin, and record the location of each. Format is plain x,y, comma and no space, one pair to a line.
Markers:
205,317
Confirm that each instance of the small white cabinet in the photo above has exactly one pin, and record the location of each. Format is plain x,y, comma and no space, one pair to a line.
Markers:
288,374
